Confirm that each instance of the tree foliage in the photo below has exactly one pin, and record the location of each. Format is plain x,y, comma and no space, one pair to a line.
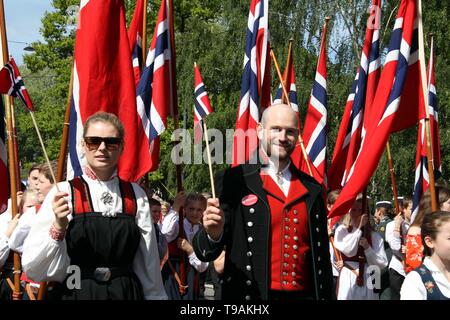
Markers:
212,33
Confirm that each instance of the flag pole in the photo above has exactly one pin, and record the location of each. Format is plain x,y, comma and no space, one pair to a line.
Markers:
144,34
425,90
174,112
12,160
300,139
211,176
173,90
61,160
393,179
65,133
287,70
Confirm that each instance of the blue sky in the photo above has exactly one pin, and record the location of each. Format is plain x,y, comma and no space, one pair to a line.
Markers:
23,20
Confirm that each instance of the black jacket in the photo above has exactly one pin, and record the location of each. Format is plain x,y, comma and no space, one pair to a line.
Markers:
238,283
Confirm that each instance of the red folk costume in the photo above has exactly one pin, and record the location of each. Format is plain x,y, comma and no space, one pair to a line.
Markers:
289,243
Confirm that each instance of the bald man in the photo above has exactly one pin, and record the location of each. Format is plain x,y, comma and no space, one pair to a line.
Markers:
270,219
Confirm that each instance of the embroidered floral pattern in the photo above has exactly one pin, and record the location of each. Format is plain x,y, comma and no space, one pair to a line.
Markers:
414,252
429,285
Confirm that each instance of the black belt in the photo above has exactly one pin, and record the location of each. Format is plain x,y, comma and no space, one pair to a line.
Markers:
104,274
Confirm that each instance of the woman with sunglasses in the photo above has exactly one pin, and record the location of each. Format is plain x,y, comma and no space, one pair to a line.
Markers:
96,237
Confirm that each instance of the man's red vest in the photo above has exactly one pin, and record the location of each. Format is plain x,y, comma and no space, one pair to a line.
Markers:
289,243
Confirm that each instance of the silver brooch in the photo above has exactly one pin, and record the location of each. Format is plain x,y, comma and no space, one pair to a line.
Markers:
107,198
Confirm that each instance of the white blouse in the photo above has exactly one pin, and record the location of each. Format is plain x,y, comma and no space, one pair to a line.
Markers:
45,259
5,218
348,243
22,230
413,287
170,230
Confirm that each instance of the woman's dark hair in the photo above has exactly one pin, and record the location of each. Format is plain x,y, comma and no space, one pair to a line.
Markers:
442,194
430,227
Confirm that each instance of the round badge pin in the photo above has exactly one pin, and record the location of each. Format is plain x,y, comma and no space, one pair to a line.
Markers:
249,200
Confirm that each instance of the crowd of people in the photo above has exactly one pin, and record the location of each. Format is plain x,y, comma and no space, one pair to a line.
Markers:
266,236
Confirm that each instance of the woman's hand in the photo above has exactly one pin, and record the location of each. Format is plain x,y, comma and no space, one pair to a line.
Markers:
61,209
184,245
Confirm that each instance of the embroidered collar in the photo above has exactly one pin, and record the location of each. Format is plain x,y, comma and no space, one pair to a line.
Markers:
91,174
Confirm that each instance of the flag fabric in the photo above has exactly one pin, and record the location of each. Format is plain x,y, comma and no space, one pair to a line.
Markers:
135,39
397,104
315,129
104,81
289,79
11,83
255,86
4,176
202,106
351,131
422,179
154,92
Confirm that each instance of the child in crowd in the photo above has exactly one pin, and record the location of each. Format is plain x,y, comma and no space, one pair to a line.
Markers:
431,281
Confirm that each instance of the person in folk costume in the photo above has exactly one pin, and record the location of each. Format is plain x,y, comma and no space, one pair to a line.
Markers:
192,207
99,224
382,216
28,207
336,263
360,247
271,218
414,245
395,235
431,281
44,184
155,211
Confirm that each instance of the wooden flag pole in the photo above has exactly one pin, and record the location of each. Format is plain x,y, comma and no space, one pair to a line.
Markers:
173,90
65,134
43,149
144,34
393,179
284,98
211,176
300,139
61,160
425,90
12,160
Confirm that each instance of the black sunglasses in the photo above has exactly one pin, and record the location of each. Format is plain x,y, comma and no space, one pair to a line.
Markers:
111,143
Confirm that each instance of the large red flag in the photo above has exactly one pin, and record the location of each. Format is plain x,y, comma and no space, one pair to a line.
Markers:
104,81
397,105
351,131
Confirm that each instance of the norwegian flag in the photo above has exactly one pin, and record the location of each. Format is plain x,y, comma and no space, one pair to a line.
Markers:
202,106
396,106
422,179
255,87
315,130
135,39
289,79
11,83
104,81
154,92
351,131
4,177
